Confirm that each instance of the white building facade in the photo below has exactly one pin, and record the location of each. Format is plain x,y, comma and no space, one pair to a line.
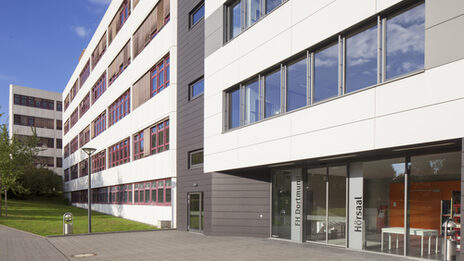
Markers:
40,110
121,100
339,121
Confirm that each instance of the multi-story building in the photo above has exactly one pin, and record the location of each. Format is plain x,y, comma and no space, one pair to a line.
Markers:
121,100
39,110
333,121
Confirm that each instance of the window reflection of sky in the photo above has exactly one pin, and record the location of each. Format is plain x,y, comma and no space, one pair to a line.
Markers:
326,73
234,101
272,4
361,59
405,42
296,85
251,102
236,18
272,93
254,13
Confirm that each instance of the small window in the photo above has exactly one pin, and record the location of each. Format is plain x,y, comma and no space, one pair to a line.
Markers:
197,88
197,14
195,159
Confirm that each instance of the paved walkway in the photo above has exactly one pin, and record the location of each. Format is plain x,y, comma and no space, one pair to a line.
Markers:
167,245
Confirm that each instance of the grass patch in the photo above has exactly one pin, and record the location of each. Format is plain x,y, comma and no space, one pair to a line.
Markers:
45,217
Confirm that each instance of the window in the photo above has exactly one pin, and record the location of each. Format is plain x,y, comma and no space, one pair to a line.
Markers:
234,19
74,172
197,88
83,168
33,121
84,73
74,145
84,137
272,94
99,51
59,106
138,145
99,88
405,42
59,162
197,14
119,64
254,13
59,125
66,174
66,151
74,117
119,153
195,159
66,127
297,84
99,161
99,124
160,137
252,103
272,4
59,144
160,76
84,105
66,102
125,12
120,108
234,108
361,59
34,102
46,161
326,73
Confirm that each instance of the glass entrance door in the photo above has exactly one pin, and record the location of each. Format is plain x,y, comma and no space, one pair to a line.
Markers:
325,203
195,211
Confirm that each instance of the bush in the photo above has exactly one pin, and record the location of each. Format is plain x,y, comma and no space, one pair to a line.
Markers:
40,182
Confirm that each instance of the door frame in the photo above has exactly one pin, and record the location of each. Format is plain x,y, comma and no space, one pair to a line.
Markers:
200,216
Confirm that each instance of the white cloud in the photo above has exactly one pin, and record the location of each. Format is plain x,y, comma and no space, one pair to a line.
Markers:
81,31
100,2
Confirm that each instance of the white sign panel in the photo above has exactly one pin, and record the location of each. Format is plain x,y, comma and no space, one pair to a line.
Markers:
297,207
356,223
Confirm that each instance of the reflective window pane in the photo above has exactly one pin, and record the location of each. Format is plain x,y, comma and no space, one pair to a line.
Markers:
315,204
272,4
235,14
234,108
253,8
198,14
252,102
281,204
405,42
197,88
361,59
326,73
297,75
272,93
337,206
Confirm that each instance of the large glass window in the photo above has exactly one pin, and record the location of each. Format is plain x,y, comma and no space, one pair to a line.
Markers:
405,42
197,88
252,102
297,78
272,93
361,59
253,13
234,108
272,4
281,204
326,73
235,19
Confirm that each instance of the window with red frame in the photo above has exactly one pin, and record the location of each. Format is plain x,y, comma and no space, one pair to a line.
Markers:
119,153
74,90
66,175
84,73
160,76
128,190
74,145
83,168
119,109
100,195
66,127
160,137
99,88
116,194
125,12
99,161
163,192
66,151
136,193
84,106
84,137
74,118
66,102
99,124
138,145
74,172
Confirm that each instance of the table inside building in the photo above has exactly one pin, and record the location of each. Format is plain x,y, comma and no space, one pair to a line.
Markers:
413,232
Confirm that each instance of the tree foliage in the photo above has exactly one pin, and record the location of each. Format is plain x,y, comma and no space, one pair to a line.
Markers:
38,181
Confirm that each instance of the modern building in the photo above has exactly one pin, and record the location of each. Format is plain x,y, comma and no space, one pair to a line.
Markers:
121,100
332,122
40,110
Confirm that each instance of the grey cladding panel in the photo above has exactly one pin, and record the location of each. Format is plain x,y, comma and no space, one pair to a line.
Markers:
443,43
214,31
439,11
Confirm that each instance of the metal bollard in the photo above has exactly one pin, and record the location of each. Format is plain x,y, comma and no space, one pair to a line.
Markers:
67,223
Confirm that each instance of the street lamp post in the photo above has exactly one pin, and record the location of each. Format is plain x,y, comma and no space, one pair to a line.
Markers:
89,152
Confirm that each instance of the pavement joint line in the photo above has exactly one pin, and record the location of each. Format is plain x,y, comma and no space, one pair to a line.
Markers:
110,232
57,249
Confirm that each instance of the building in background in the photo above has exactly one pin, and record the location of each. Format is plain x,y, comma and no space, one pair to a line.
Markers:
121,100
42,110
336,122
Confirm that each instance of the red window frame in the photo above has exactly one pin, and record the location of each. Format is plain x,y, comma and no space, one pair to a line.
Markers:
99,124
84,106
74,118
66,102
138,145
119,153
119,108
163,187
125,13
66,127
160,76
99,88
99,161
74,145
83,168
84,74
84,137
66,175
66,151
74,171
158,132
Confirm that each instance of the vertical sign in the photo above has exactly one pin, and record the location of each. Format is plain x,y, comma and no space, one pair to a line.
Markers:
297,207
355,215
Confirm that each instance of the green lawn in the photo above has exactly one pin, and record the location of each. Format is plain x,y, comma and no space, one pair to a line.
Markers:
45,217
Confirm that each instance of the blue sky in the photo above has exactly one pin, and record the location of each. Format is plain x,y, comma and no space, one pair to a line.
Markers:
40,42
